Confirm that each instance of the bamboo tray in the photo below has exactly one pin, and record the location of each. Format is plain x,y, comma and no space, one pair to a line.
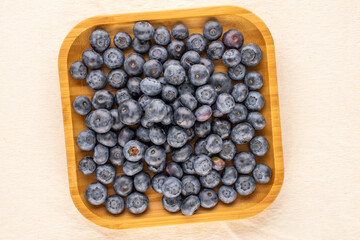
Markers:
254,30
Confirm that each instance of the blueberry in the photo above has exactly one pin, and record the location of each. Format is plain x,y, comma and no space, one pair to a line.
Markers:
172,204
176,49
212,30
190,205
92,59
240,92
237,72
221,82
180,32
176,137
259,146
96,79
256,120
251,54
105,173
87,165
231,57
262,173
82,105
174,74
188,166
191,185
210,180
208,198
130,112
86,140
171,62
118,125
176,104
227,194
225,103
218,163
157,181
78,70
245,185
133,64
155,155
156,110
143,30
203,113
200,147
142,134
216,112
102,99
255,101
122,40
157,169
174,170
115,204
137,203
101,154
172,187
229,176
142,182
99,120
150,86
122,95
186,88
108,139
140,46
144,100
117,78
242,133
221,127
113,58
189,58
116,156
188,101
208,64
214,143
182,154
162,36
238,114
169,93
202,129
125,135
233,39
133,86
134,150
146,123
254,80
96,193
132,168
157,135
215,50
244,162
123,185
184,117
198,74
196,42
206,94
99,40
168,119
202,165
228,151
152,68
159,53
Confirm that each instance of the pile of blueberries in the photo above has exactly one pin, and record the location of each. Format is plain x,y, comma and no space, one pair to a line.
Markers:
160,106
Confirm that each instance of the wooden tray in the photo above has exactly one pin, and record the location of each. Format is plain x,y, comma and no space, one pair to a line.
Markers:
254,30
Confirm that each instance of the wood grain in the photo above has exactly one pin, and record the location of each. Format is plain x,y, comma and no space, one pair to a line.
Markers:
254,30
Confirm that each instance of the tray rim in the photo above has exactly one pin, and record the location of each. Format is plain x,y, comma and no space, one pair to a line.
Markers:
158,15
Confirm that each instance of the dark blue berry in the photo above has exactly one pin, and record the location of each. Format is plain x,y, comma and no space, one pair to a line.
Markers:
225,103
155,155
191,185
101,154
202,129
259,146
172,204
123,185
169,93
108,139
212,30
170,62
180,32
102,99
184,117
122,95
152,68
113,58
96,193
210,180
96,79
227,194
157,135
215,50
150,86
262,173
200,147
253,80
186,88
189,58
208,64
208,198
115,204
231,57
190,205
229,176
228,151
82,105
173,169
105,173
142,134
177,137
132,168
156,110
172,187
116,156
162,36
133,64
159,53
92,59
87,165
130,112
242,133
142,182
245,185
221,82
196,42
214,143
125,135
137,203
78,70
206,94
99,120
140,46
117,124
134,150
175,74
202,165
237,72
221,127
133,86
122,40
157,181
99,40
176,49
240,92
251,54
198,74
188,166
256,120
86,140
117,78
182,154
255,101
188,101
244,162
143,30
238,114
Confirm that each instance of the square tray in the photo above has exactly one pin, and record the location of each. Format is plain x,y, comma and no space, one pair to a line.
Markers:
254,30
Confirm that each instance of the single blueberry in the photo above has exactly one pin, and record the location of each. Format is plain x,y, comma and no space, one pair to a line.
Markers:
86,140
152,68
227,194
162,36
123,185
134,150
87,165
242,133
189,58
188,166
96,193
200,147
262,173
172,187
198,75
172,204
115,204
206,94
157,181
215,50
100,40
169,93
228,151
92,59
180,32
184,117
117,125
137,203
212,30
231,57
202,129
259,146
256,120
210,180
144,100
176,104
214,143
251,54
157,135
155,155
216,112
173,169
182,154
78,70
240,92
140,46
133,64
253,80
122,40
133,86
190,205
203,113
96,79
146,123
196,42
221,82
176,137
156,110
233,39
125,135
170,62
238,114
108,139
116,156
229,176
142,182
225,103
191,185
113,58
142,134
117,78
82,105
105,173
150,86
202,165
221,127
101,154
168,119
218,163
237,72
208,198
122,95
188,101
244,162
245,185
143,30
102,99
255,101
159,53
208,64
132,168
130,112
175,74
186,88
176,49
99,120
